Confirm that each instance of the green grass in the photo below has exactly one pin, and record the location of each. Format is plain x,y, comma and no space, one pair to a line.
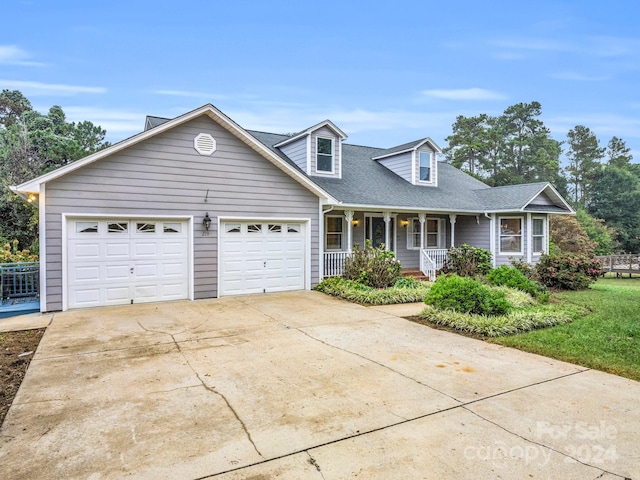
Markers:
606,338
358,293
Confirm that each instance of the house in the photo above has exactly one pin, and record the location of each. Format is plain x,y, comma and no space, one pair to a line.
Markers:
198,207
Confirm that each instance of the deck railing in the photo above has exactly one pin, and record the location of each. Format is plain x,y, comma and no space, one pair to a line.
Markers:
620,263
334,263
19,280
427,265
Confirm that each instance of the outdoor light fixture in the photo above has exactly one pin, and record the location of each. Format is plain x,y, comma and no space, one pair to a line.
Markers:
206,221
404,223
355,222
32,198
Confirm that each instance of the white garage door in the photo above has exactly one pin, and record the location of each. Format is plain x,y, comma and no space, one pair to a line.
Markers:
258,257
115,262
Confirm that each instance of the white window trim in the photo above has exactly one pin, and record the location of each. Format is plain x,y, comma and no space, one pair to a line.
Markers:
522,236
424,182
343,233
333,156
545,237
393,232
440,232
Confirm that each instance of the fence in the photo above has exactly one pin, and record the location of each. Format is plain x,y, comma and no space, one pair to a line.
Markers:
620,263
19,280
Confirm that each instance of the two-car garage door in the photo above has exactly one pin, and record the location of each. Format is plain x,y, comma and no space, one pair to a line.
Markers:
120,261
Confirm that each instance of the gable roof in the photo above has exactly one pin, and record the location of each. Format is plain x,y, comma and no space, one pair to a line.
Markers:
407,147
310,130
522,198
33,186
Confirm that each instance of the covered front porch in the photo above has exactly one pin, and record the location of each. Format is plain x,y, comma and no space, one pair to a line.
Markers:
419,239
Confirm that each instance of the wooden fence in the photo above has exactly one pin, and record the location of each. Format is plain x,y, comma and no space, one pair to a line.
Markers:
620,264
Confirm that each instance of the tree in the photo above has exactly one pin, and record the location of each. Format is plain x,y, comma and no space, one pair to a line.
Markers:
568,236
618,154
597,231
31,144
584,155
615,198
467,145
12,105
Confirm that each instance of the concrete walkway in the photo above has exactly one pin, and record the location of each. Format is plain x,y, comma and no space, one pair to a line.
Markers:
300,385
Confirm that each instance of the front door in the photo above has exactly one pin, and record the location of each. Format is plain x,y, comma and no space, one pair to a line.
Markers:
375,231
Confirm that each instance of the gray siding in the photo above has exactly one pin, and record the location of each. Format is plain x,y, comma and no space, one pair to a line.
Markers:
326,132
400,165
542,199
297,152
470,232
164,175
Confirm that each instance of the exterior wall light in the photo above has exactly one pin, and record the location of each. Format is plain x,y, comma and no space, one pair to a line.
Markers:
355,222
206,221
31,198
404,223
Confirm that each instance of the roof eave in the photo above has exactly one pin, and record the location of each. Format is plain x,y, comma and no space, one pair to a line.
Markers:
310,130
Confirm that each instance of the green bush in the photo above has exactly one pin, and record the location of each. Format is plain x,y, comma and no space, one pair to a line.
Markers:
11,254
468,261
375,267
509,324
408,282
567,271
513,278
356,292
466,295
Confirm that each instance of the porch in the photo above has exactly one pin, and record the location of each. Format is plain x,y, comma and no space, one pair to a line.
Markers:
431,260
19,288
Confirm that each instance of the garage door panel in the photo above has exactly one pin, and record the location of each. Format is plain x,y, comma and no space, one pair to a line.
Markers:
115,263
260,257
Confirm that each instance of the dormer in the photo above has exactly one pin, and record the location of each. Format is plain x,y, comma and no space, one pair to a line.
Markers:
416,162
316,150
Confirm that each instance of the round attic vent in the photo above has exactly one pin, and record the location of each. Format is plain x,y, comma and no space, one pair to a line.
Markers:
204,144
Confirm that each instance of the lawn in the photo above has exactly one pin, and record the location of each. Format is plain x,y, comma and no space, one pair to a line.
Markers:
606,339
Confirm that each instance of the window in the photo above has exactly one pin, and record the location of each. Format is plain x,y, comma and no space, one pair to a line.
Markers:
434,231
511,235
172,227
275,228
254,228
232,228
293,228
425,167
117,227
324,155
334,229
86,227
146,227
538,235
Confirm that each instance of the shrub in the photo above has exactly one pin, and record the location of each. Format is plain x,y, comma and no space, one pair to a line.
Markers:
468,261
509,324
567,271
10,254
356,292
525,268
408,282
512,277
375,267
466,295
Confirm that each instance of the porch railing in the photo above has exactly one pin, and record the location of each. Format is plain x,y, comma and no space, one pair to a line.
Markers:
629,263
438,255
18,280
427,265
334,263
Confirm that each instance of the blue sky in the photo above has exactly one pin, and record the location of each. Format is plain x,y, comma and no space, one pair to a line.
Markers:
385,72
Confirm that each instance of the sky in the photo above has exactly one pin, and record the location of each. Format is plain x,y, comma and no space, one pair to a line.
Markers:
386,73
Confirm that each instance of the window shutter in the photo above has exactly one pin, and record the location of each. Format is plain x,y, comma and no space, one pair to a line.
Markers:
442,233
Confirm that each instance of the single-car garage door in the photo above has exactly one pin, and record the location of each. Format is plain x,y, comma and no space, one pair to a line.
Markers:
120,261
261,256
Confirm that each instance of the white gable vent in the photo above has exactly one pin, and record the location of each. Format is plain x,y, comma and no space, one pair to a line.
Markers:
204,144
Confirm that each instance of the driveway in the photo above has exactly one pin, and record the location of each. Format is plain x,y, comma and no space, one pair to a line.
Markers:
303,386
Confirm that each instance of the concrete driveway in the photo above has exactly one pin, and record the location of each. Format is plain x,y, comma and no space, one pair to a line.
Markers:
303,386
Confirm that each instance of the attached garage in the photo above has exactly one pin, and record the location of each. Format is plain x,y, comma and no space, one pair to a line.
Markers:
260,256
118,261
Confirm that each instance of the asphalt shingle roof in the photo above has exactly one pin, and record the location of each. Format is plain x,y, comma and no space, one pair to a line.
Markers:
366,182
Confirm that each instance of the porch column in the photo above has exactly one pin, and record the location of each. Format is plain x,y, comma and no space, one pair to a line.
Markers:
348,215
452,220
423,218
387,224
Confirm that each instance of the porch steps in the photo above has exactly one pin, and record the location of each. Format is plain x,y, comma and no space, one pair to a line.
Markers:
414,273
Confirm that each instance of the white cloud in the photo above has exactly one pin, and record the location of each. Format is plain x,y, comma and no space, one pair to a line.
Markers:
29,88
190,94
604,126
121,122
13,55
579,77
464,94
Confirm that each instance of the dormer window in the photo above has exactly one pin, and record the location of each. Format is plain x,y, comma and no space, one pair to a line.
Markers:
425,167
324,155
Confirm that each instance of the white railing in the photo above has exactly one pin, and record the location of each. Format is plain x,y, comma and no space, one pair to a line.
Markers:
427,265
334,263
438,255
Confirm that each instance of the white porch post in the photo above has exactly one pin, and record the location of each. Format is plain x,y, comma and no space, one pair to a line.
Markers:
348,215
422,217
452,220
387,223
529,237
